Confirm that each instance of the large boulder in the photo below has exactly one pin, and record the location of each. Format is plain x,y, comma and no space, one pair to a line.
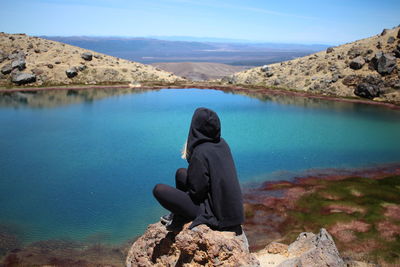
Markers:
6,69
313,250
19,64
330,50
23,78
357,63
265,68
200,246
367,90
87,56
384,63
71,72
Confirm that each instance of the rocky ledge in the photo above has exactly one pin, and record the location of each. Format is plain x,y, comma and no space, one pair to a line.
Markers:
202,246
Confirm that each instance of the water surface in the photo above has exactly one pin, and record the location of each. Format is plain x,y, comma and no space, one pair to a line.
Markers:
82,165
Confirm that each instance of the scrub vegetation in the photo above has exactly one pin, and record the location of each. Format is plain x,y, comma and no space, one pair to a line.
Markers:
362,214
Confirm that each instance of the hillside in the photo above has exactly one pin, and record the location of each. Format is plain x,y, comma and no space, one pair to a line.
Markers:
199,71
39,62
368,68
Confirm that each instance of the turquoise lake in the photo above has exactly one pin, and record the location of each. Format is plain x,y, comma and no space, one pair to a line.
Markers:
84,168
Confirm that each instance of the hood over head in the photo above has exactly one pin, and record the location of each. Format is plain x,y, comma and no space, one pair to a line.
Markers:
205,127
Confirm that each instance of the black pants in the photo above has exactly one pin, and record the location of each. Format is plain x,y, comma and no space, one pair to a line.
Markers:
177,200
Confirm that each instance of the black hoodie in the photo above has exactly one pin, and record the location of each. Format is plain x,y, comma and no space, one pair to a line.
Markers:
212,178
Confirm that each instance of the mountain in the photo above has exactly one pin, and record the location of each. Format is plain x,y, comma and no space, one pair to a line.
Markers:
40,62
368,68
148,50
199,71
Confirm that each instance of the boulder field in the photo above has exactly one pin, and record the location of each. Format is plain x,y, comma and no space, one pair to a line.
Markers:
34,61
367,68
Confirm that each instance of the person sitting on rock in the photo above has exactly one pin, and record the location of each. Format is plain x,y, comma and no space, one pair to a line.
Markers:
208,191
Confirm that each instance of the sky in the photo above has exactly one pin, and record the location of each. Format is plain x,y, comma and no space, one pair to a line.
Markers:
294,21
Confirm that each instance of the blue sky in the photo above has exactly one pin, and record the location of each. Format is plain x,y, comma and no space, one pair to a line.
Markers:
327,22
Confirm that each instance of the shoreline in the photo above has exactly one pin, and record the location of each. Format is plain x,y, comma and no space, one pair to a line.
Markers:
262,90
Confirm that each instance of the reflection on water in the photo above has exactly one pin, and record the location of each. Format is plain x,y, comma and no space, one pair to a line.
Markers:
56,98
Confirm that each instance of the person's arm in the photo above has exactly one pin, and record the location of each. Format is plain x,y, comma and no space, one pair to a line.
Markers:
198,179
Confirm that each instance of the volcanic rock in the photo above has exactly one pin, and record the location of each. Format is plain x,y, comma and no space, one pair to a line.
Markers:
19,64
396,51
23,78
313,250
87,56
71,72
200,246
384,63
265,68
6,69
367,90
391,40
357,63
330,50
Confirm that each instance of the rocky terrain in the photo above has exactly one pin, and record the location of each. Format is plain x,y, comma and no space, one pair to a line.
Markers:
199,71
33,61
368,68
202,246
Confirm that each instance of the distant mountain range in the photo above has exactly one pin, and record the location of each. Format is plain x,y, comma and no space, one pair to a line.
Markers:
150,50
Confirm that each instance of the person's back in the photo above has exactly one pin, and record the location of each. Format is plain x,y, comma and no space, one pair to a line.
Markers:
224,195
208,192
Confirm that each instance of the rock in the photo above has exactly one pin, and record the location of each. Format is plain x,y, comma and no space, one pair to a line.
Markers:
384,32
23,78
379,45
277,248
313,251
391,40
19,64
87,56
277,82
398,34
396,51
367,90
229,79
329,50
71,72
357,63
384,63
50,66
352,80
6,69
3,56
269,74
97,56
57,62
82,67
200,246
354,52
37,51
265,68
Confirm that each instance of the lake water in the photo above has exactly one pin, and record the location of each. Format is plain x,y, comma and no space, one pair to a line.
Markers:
82,166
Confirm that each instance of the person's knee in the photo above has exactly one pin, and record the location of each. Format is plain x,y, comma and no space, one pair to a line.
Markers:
157,190
180,173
